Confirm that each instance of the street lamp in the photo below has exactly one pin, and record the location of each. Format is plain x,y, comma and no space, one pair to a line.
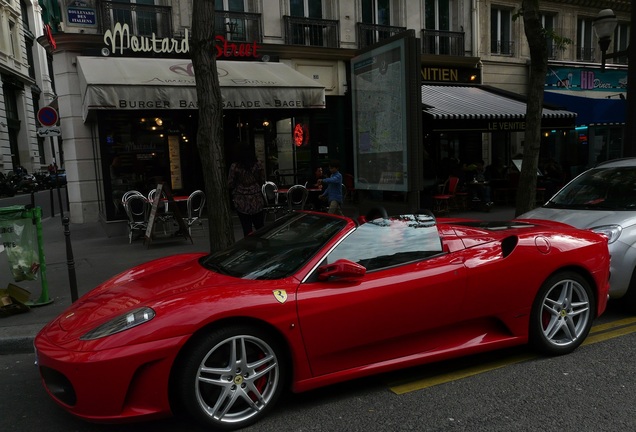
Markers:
604,26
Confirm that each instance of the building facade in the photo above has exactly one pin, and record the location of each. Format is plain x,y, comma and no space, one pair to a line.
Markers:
574,80
26,85
112,143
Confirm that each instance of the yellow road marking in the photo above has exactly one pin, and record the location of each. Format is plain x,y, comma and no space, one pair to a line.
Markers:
598,333
613,324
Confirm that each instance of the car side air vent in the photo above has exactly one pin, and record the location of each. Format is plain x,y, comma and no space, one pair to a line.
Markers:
508,245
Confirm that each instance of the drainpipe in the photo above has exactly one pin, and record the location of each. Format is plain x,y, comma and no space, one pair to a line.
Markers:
474,29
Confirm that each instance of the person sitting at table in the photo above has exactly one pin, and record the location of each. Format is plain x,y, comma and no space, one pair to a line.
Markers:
244,180
482,188
333,192
313,183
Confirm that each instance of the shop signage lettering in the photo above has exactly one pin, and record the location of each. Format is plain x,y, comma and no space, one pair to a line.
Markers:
132,104
230,49
288,104
440,74
242,104
120,38
590,82
188,104
506,126
136,147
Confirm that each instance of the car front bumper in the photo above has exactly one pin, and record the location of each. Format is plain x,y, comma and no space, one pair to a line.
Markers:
121,384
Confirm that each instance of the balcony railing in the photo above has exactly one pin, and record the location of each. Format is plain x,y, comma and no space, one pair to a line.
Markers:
143,20
311,32
442,42
505,48
585,54
369,34
238,26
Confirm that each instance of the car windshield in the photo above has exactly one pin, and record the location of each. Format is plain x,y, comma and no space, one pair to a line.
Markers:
384,243
278,250
599,189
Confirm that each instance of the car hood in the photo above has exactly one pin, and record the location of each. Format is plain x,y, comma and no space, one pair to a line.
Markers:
144,285
583,218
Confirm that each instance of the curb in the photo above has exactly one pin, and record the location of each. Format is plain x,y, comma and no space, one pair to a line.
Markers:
18,339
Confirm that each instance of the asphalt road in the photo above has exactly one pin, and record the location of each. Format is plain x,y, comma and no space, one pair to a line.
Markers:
592,389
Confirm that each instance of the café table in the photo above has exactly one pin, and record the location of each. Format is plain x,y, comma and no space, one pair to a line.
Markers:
166,218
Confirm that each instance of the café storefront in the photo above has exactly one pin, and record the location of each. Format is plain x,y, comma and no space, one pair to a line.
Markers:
145,115
470,122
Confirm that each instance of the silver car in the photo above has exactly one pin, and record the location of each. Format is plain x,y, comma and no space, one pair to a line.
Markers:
603,199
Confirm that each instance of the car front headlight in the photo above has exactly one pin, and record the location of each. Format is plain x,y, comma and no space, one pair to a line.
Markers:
612,232
121,323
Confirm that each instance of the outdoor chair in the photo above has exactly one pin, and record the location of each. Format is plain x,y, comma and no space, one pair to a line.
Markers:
297,197
137,210
196,203
270,195
449,197
164,197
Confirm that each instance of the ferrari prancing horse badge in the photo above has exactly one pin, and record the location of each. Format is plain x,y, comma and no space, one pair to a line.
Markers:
281,295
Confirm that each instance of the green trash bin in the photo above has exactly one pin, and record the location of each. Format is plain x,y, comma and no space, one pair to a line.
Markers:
21,235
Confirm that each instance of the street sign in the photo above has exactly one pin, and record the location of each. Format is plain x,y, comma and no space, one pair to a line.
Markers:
47,116
49,131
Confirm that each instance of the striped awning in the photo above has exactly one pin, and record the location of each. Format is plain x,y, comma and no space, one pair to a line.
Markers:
131,83
481,109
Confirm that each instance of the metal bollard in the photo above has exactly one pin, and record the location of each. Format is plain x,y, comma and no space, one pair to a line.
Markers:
52,202
70,262
59,196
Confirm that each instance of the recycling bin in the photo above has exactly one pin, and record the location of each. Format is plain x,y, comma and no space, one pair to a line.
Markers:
21,236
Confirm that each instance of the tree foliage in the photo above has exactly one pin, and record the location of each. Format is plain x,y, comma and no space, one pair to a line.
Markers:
210,131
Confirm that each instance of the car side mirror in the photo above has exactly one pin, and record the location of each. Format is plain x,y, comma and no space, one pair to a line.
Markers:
341,269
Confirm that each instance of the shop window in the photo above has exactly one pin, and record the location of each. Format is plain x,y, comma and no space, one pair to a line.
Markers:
140,15
437,24
376,12
547,22
501,42
585,40
621,41
306,32
378,20
13,121
138,152
236,21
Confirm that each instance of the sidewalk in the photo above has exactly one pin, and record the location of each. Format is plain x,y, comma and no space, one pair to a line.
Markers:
98,257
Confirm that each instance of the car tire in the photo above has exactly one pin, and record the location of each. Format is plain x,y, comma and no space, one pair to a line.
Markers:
230,378
562,314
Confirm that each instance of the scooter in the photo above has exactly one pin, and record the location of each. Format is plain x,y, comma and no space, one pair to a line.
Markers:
6,187
23,181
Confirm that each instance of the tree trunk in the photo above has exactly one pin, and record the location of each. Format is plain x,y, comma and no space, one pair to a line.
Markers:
210,133
537,41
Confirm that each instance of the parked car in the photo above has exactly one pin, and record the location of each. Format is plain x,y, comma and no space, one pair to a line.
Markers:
313,299
603,199
55,179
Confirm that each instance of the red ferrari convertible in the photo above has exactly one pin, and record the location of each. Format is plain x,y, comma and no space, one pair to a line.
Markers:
314,299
